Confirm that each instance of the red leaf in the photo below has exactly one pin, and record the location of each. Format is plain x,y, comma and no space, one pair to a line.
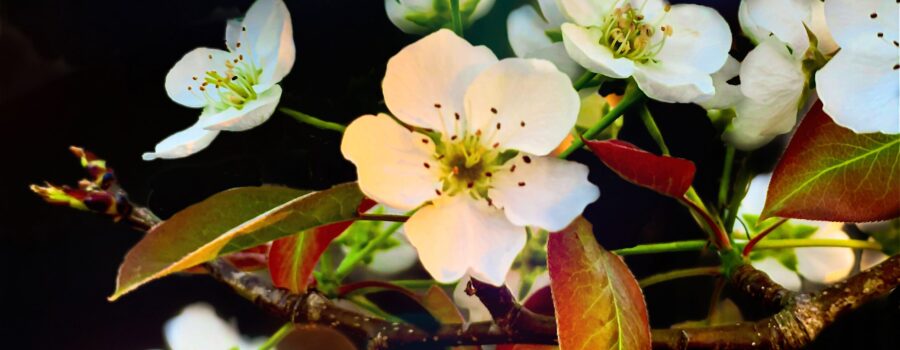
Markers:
293,258
831,173
251,259
598,302
667,175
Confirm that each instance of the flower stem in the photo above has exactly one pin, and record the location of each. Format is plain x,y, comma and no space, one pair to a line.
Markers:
695,245
456,18
632,95
756,239
316,122
278,336
725,182
354,257
419,284
717,233
583,80
650,124
676,274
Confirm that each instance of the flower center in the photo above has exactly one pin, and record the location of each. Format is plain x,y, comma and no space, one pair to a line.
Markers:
467,166
233,86
628,36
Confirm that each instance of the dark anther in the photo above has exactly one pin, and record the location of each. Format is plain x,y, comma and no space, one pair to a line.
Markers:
493,110
527,159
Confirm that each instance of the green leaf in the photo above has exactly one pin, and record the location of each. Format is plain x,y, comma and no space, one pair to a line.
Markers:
231,221
598,302
889,237
830,173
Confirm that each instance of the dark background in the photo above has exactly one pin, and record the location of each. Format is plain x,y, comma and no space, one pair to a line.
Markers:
90,73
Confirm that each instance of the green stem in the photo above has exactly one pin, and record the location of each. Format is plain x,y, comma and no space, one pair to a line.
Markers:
756,239
278,336
583,80
725,182
701,214
353,258
316,122
676,274
632,95
650,124
456,18
696,245
420,284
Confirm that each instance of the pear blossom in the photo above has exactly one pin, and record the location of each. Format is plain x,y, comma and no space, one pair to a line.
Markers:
198,327
774,84
425,16
670,51
819,264
471,155
237,89
537,35
860,85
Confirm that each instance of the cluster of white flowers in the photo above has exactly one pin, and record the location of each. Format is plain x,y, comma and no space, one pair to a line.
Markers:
469,141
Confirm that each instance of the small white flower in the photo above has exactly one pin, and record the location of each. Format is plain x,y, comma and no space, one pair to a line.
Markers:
237,89
671,51
860,85
198,327
488,175
820,265
773,81
537,35
425,16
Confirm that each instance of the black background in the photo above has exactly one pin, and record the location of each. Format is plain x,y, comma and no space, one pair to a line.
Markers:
90,73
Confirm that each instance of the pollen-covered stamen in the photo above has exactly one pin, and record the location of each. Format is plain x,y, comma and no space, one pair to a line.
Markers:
627,35
467,165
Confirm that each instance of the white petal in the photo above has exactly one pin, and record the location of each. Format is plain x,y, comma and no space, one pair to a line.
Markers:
769,74
819,27
481,9
860,89
477,312
851,22
397,12
544,191
527,31
779,273
183,143
390,161
700,38
424,83
457,234
756,123
198,327
671,82
193,65
755,200
586,12
750,28
583,45
827,264
250,116
557,54
270,36
522,104
551,12
727,95
870,258
785,19
233,29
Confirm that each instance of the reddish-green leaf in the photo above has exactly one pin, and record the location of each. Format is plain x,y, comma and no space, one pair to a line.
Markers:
231,221
441,306
667,175
831,173
598,302
293,258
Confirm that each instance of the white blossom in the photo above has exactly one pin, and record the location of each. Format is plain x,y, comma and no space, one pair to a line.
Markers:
475,162
425,16
671,51
198,327
237,89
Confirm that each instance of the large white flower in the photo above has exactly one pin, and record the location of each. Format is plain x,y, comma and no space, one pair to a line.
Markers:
786,19
671,51
425,16
860,86
198,327
537,35
820,265
237,89
482,175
